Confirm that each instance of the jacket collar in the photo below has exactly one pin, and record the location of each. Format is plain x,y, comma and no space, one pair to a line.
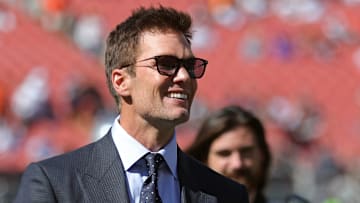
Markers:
189,190
106,180
105,176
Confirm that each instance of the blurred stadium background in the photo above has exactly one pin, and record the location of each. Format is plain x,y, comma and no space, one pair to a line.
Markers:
295,63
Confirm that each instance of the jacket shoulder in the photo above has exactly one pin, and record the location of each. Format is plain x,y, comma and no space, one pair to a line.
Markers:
69,159
201,178
80,158
51,179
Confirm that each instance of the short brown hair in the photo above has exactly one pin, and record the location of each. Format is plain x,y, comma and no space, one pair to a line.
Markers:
122,42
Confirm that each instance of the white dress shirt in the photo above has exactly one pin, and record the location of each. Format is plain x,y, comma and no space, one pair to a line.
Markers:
131,152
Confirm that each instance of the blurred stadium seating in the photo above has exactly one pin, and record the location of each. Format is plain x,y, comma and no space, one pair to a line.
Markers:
295,67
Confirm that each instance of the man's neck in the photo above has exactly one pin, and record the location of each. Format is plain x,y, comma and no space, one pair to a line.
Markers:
148,135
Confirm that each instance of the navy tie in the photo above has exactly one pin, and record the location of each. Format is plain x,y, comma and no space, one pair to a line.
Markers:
149,191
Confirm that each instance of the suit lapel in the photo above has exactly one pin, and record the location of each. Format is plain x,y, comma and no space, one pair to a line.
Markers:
105,176
190,196
189,192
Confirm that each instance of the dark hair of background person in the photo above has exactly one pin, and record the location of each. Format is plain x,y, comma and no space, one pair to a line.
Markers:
224,120
122,43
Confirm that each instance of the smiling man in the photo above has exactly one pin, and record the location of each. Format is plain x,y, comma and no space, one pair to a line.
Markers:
152,73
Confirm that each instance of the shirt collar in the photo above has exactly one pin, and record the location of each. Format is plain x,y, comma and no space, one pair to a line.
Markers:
126,143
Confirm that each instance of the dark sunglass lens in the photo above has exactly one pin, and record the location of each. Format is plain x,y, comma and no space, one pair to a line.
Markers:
195,67
167,64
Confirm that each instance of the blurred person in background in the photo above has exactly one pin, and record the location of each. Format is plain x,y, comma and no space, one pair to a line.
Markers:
152,74
86,106
232,142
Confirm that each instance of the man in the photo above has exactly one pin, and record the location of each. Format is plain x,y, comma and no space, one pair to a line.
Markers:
152,74
232,142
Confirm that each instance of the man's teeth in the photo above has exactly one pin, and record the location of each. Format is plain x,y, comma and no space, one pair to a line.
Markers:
178,95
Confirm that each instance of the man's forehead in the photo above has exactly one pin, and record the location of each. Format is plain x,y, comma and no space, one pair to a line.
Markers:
155,32
157,39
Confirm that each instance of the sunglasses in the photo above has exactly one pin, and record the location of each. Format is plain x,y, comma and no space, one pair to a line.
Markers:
169,65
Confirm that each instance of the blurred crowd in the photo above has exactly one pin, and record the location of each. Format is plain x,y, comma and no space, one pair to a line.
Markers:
295,21
31,129
301,28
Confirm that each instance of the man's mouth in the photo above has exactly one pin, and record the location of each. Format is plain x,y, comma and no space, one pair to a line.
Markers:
177,95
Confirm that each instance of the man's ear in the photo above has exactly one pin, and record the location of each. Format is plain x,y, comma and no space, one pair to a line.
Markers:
121,82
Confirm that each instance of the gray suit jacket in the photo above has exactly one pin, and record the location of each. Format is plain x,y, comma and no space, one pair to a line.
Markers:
94,173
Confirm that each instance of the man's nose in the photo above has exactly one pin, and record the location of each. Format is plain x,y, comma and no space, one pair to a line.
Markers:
236,161
182,74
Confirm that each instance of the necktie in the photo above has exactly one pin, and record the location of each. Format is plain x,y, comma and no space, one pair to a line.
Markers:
149,191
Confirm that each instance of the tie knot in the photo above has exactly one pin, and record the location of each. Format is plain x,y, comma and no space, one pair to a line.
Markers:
153,161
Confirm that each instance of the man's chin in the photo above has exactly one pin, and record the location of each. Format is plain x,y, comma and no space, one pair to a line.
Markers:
242,180
176,119
182,119
181,115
